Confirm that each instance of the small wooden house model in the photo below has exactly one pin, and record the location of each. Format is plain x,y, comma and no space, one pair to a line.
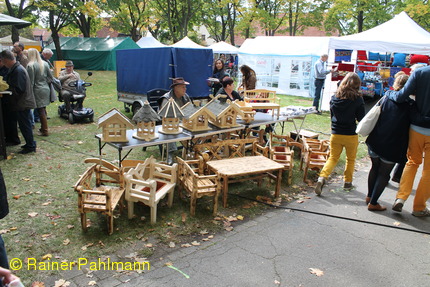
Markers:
196,118
145,120
225,113
170,117
114,125
248,112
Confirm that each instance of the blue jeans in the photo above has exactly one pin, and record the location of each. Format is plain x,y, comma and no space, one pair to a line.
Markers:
26,128
319,83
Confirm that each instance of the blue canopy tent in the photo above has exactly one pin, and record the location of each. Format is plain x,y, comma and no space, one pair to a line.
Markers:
141,70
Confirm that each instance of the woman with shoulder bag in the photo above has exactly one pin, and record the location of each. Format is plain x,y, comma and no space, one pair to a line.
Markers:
387,144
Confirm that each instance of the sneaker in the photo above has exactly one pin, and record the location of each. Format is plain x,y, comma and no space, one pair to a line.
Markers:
320,183
398,205
367,200
422,213
347,185
376,207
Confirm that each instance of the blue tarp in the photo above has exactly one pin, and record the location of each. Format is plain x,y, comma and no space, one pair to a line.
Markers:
141,70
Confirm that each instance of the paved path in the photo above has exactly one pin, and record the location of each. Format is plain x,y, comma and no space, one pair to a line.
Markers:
280,247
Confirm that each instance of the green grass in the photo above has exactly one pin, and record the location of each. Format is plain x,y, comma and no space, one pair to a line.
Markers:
43,184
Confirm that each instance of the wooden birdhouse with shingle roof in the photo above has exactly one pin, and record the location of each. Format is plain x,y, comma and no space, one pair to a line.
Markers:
196,118
114,126
225,113
145,120
171,115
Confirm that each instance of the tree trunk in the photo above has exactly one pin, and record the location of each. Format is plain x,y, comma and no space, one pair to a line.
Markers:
15,34
56,40
360,20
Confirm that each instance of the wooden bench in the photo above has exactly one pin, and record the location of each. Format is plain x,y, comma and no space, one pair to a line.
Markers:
262,99
95,195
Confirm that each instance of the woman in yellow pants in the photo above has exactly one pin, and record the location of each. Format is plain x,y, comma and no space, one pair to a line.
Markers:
346,108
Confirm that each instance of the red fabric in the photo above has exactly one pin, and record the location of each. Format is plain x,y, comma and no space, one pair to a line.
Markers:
361,55
407,71
160,185
361,66
419,59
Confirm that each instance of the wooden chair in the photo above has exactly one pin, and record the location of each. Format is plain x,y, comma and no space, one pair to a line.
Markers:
314,155
95,195
281,151
149,182
260,95
192,179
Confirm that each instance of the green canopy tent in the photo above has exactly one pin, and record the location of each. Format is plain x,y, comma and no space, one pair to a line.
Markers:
97,54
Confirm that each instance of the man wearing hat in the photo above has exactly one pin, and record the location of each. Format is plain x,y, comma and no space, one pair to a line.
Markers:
178,91
67,76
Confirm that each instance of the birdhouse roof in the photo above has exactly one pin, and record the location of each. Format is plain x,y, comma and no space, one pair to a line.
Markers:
218,108
114,114
146,114
171,110
191,111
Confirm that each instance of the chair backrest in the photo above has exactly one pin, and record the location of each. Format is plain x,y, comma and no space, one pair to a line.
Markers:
223,149
154,96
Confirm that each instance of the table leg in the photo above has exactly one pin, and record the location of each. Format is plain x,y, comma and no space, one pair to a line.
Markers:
278,183
224,190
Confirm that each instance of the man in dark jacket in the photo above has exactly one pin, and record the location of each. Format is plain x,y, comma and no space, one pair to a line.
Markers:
4,210
419,142
22,100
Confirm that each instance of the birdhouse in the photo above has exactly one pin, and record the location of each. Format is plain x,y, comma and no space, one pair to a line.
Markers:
114,125
145,120
225,113
196,118
170,118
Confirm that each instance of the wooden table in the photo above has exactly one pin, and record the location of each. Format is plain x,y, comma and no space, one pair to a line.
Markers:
247,167
266,106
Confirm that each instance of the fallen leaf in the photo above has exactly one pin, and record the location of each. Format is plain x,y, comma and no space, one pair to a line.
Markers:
81,142
396,223
186,245
239,217
204,232
62,283
92,283
47,256
9,157
316,271
26,179
184,217
300,201
277,282
210,236
37,284
172,245
195,243
131,255
16,197
13,228
33,214
230,228
46,203
66,241
149,245
70,226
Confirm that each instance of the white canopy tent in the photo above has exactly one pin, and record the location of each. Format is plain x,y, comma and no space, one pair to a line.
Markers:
149,42
284,63
187,43
400,34
7,41
224,48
